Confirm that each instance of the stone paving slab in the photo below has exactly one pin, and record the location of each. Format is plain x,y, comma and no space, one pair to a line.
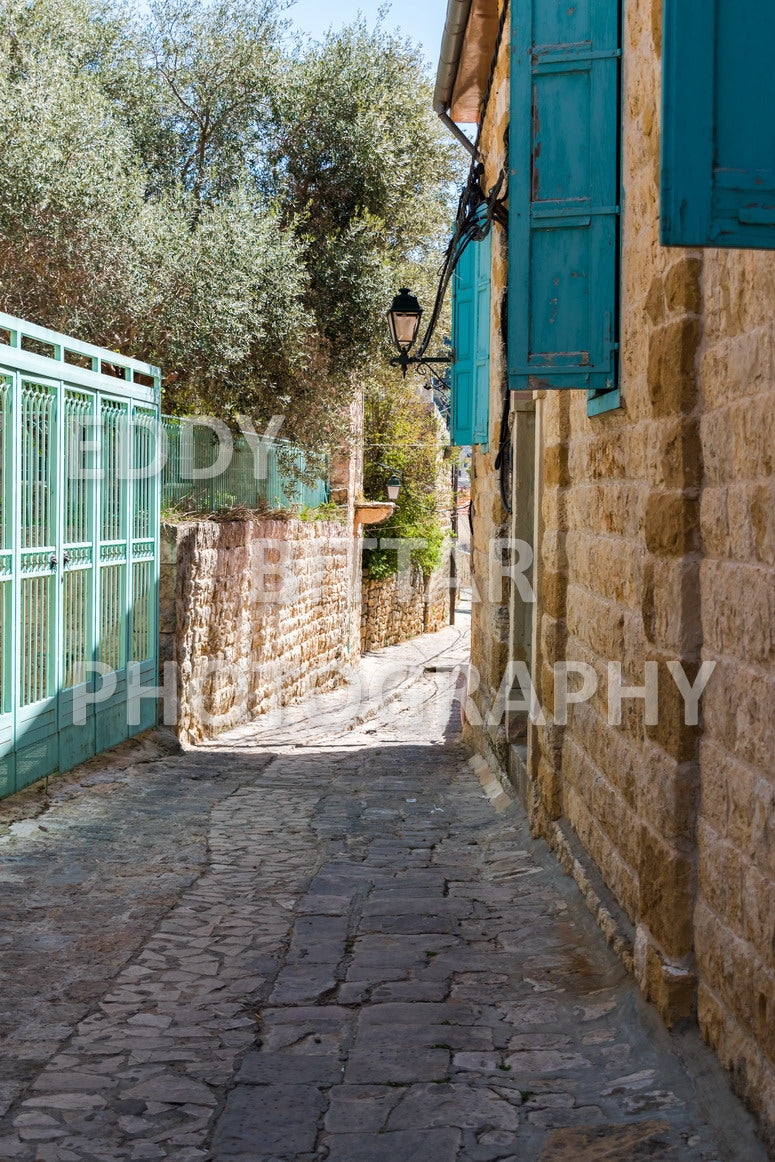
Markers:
402,1146
261,1120
367,962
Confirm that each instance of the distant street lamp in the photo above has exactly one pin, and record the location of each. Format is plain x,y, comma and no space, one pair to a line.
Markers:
394,482
393,487
404,322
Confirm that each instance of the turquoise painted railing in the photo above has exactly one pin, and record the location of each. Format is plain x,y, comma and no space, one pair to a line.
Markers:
86,464
79,549
269,474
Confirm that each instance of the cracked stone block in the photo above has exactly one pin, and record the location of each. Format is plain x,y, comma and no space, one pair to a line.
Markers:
464,1106
387,1063
288,1069
279,1119
402,1146
397,905
361,1108
300,984
410,924
425,1036
321,905
398,1013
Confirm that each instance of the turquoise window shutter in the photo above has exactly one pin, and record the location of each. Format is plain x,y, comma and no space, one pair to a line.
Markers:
482,287
471,345
564,198
718,144
463,339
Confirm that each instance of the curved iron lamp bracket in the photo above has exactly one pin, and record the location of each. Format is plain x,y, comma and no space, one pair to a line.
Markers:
423,363
477,212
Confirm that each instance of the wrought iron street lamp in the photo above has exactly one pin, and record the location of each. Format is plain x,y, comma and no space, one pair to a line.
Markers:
394,482
393,487
404,320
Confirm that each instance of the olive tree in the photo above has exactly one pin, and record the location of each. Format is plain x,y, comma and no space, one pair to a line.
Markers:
188,185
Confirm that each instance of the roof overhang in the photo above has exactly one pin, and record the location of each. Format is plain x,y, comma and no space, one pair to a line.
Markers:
465,59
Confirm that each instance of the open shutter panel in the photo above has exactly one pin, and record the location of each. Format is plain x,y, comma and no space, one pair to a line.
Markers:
564,196
483,252
718,145
463,343
471,344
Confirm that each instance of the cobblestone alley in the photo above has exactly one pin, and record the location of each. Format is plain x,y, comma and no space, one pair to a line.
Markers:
326,942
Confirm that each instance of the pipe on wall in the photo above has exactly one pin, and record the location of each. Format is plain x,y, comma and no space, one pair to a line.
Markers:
455,26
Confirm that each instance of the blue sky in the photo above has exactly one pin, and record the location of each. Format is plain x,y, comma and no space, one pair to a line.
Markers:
422,20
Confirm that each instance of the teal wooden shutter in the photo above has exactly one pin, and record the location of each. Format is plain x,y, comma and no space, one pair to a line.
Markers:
718,145
564,197
463,339
482,285
471,345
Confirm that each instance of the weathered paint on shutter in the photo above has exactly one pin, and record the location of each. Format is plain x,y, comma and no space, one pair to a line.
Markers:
482,264
718,145
564,197
463,339
471,345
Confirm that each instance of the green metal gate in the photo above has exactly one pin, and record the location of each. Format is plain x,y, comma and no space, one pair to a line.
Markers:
79,550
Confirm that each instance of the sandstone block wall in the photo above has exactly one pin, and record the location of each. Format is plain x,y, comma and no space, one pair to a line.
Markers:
395,609
621,546
734,919
255,614
655,531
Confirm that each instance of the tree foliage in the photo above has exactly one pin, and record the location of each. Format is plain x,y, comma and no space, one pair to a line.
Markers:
360,154
188,186
212,67
402,435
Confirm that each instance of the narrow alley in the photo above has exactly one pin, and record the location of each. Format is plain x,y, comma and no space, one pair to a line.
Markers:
327,942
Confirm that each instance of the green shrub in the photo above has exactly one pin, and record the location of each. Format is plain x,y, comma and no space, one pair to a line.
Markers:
402,435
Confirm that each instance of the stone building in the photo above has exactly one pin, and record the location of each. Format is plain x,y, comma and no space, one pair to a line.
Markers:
637,457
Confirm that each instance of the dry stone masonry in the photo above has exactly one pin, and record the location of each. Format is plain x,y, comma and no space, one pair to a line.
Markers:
255,614
397,608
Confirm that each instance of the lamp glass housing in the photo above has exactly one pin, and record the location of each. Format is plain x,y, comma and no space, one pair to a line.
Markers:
404,319
393,487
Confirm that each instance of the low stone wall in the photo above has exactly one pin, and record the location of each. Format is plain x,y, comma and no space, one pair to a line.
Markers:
463,561
255,614
398,608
